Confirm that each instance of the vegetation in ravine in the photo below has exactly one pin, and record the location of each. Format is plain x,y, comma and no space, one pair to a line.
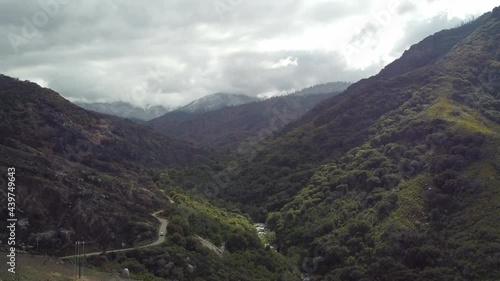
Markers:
234,252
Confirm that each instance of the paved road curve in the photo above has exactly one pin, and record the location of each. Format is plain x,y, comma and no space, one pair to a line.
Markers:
161,239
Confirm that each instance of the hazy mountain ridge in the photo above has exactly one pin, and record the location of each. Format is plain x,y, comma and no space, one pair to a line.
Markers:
126,110
215,102
203,105
326,88
230,127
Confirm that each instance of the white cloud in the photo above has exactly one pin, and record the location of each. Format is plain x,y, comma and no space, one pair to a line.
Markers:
171,52
289,61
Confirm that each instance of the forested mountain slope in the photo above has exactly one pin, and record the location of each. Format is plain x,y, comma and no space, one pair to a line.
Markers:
73,165
397,178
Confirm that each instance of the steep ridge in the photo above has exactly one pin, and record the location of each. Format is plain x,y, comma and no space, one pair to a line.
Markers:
397,178
345,121
79,173
431,48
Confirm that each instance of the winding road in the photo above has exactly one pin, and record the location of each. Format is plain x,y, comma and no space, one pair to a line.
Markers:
161,239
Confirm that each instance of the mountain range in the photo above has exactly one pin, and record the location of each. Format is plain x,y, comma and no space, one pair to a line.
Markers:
394,178
142,115
126,110
203,105
236,126
215,102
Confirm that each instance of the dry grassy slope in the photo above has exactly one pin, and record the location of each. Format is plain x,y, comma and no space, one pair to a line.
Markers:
43,268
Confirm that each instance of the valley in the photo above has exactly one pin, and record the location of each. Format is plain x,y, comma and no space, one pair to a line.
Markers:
394,177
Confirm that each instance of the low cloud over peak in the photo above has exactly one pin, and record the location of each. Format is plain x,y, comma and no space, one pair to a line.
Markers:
171,52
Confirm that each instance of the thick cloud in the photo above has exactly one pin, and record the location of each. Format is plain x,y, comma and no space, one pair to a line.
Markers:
173,51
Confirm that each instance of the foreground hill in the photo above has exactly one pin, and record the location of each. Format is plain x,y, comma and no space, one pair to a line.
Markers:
395,179
73,166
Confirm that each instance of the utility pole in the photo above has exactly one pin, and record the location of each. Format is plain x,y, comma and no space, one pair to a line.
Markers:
83,267
79,259
76,260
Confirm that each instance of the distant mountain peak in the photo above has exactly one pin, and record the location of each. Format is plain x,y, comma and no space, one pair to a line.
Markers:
216,101
326,88
126,110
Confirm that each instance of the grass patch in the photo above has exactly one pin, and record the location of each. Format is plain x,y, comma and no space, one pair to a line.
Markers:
409,214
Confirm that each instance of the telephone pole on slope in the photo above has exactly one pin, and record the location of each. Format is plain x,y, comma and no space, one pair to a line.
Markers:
79,259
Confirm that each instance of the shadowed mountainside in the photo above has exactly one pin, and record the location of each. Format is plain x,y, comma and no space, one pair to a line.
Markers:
73,166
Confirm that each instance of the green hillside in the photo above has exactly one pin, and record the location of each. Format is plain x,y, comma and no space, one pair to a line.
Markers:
397,178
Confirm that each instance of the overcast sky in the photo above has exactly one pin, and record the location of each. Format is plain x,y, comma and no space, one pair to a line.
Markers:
170,52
